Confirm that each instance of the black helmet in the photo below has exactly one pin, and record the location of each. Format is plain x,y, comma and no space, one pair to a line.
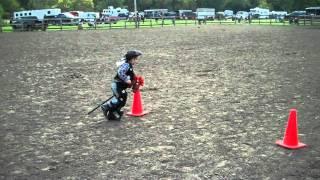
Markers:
132,54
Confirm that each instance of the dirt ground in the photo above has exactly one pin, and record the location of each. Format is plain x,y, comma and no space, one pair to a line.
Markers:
219,98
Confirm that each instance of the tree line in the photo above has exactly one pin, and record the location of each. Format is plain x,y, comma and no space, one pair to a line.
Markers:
7,7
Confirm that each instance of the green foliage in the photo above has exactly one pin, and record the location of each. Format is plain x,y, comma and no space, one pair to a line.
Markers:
82,5
238,5
64,5
9,6
264,4
1,13
41,4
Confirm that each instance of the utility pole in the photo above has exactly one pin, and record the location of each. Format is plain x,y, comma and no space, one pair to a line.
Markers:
135,6
136,13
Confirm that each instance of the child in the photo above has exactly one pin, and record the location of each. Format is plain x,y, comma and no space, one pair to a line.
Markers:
123,80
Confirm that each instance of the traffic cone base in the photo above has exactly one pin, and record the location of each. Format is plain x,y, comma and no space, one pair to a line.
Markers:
137,107
290,139
137,114
299,145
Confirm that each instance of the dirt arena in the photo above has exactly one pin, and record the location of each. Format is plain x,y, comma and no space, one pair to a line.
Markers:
219,98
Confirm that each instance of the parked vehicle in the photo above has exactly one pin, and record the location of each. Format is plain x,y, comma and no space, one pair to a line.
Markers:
50,19
278,15
220,15
86,16
189,15
260,13
169,15
154,13
242,15
30,23
66,19
111,11
228,14
106,19
181,13
123,16
36,13
205,13
313,11
295,16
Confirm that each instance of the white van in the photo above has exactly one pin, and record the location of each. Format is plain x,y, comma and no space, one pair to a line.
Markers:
242,15
228,14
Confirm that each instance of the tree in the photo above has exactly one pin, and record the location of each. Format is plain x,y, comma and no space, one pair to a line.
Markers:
82,5
64,5
98,5
23,3
238,5
1,13
264,4
9,6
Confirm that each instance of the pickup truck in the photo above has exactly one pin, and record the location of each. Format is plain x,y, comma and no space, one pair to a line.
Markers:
30,23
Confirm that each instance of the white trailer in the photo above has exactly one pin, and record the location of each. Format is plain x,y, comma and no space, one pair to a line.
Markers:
205,13
114,11
38,13
182,11
260,13
154,13
278,14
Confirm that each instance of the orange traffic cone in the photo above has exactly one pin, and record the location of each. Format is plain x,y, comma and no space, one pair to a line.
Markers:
290,139
137,109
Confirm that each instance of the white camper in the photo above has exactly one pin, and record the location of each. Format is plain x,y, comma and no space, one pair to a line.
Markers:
205,13
38,13
228,14
111,11
260,13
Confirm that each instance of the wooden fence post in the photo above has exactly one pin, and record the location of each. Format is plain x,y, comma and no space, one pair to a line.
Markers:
1,25
60,24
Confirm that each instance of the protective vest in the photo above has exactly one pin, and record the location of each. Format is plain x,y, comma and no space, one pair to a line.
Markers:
128,73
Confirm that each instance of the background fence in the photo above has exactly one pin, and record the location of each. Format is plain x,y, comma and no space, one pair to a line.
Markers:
5,25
